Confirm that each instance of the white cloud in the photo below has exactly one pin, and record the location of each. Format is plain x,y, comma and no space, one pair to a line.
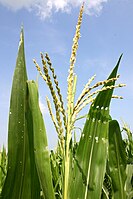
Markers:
95,6
17,4
45,8
43,108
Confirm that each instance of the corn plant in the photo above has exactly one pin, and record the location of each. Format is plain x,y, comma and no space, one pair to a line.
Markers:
95,167
128,143
3,166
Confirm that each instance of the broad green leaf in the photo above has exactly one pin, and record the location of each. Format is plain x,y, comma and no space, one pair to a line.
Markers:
117,160
42,158
87,175
19,179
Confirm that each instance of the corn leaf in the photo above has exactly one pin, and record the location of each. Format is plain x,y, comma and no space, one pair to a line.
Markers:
19,180
89,166
42,158
105,193
129,181
117,160
3,165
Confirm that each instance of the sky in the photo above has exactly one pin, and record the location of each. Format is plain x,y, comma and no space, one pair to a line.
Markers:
49,26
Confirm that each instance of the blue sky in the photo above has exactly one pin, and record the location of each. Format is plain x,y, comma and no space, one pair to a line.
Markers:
49,26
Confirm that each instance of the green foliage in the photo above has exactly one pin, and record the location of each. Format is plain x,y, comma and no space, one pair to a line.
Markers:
129,181
42,159
90,159
107,185
3,167
56,160
21,175
128,142
117,160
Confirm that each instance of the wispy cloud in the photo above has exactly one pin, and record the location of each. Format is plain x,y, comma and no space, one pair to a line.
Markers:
43,107
45,8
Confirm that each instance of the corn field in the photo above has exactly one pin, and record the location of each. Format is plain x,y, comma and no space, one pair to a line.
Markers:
98,166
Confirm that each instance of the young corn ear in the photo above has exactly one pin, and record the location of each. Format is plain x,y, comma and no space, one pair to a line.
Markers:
89,163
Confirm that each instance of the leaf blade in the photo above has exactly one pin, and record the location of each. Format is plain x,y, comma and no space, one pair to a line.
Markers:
19,181
42,158
117,160
90,159
16,127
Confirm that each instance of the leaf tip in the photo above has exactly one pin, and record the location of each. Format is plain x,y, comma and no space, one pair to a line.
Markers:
21,35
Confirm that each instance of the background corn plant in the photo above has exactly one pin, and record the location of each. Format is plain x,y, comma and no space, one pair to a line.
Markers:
100,165
3,167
